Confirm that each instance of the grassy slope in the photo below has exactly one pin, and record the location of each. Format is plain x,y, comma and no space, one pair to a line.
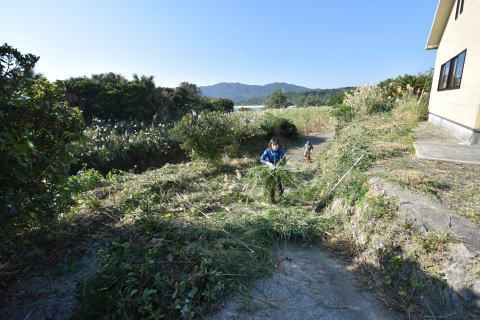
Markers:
185,235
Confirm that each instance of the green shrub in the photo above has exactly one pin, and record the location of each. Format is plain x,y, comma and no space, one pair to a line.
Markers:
124,145
246,126
84,180
207,136
275,126
36,129
415,84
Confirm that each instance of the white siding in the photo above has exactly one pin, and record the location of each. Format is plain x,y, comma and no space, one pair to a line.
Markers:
460,105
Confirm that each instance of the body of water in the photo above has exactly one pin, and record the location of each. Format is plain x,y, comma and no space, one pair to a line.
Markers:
250,107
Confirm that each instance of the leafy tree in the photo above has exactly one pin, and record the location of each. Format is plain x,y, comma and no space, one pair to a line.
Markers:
16,71
221,104
191,88
36,127
336,99
276,99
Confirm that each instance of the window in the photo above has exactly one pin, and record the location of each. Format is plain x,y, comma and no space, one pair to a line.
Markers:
459,9
451,72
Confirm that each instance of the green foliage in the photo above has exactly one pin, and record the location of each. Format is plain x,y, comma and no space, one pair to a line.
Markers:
415,84
111,96
207,136
277,99
16,71
275,126
380,206
161,269
336,99
212,134
125,145
36,129
221,104
84,180
342,112
315,97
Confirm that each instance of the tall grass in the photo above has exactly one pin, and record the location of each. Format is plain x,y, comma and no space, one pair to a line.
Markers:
308,120
124,145
412,106
367,100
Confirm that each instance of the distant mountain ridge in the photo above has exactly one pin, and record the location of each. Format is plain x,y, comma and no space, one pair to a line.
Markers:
239,91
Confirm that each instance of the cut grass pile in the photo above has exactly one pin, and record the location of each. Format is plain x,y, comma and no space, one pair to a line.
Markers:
185,236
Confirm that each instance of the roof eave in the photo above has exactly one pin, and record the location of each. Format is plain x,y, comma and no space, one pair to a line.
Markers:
444,8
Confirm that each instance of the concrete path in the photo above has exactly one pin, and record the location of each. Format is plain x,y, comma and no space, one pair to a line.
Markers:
309,283
432,143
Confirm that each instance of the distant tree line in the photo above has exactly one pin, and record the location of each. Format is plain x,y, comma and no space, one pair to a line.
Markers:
112,96
317,97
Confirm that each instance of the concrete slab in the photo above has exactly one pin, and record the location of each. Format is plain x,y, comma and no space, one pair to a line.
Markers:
432,143
447,152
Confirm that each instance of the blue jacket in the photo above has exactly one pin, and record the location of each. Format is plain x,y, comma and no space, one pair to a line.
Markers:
272,156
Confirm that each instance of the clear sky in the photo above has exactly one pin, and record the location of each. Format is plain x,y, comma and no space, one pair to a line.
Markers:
317,43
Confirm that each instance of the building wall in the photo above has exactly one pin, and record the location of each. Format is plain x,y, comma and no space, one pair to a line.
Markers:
461,106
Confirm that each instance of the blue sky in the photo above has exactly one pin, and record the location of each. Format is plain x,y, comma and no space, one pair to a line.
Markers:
317,44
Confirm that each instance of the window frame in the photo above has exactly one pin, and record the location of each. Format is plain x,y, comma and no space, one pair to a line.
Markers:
453,63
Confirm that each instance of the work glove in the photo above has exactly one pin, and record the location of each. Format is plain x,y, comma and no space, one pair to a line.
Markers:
271,166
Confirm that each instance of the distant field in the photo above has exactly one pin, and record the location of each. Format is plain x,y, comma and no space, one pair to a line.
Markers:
307,120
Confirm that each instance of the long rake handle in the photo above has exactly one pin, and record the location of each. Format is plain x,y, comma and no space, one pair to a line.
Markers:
346,173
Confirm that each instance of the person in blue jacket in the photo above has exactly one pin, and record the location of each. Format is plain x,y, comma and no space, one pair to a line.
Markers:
271,157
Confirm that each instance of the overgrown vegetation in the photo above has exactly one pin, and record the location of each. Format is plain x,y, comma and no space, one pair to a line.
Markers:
307,120
211,134
181,237
108,145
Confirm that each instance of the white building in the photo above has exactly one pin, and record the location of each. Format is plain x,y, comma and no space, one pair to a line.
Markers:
455,96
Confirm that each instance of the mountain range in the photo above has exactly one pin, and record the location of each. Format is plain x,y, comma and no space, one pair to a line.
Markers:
239,91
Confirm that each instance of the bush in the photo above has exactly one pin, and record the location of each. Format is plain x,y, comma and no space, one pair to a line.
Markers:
207,136
246,126
108,145
36,128
275,126
418,85
367,100
342,112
